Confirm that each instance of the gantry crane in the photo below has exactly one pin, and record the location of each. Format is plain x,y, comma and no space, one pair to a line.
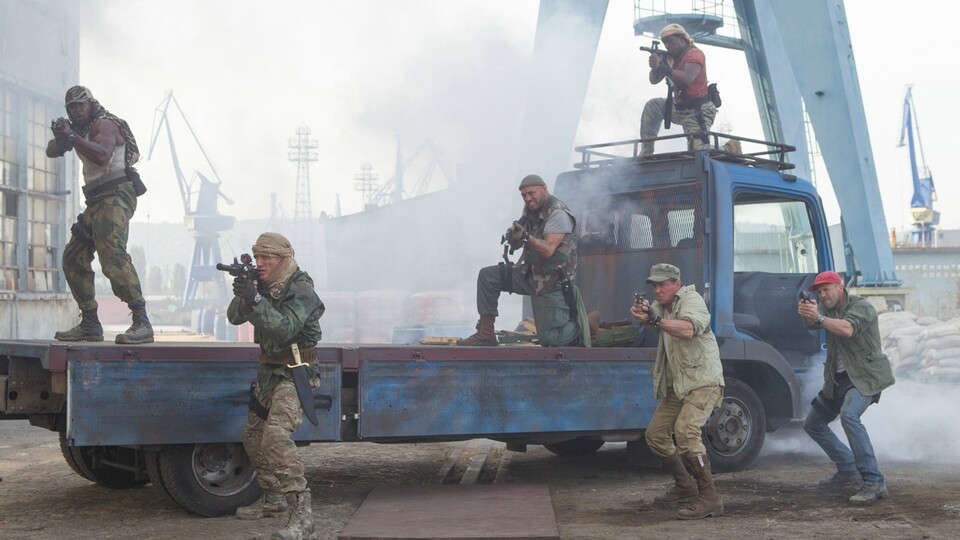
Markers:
203,218
925,218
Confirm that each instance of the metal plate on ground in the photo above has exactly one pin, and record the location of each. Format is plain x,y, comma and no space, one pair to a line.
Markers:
455,511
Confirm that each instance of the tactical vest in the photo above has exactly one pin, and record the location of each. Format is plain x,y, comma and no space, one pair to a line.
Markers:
544,272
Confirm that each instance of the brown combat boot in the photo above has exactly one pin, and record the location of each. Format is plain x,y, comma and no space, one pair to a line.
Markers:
684,488
140,331
709,502
593,320
484,337
270,504
89,329
300,524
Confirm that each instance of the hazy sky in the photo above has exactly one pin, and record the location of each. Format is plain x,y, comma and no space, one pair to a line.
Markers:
359,74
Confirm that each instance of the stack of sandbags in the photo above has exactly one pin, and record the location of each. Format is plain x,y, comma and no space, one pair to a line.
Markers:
924,346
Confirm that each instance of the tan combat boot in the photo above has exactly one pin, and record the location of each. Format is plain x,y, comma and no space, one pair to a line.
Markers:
485,336
709,502
300,524
646,149
89,329
684,487
270,504
140,331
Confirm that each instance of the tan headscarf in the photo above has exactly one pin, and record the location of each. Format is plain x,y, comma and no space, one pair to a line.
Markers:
276,245
673,29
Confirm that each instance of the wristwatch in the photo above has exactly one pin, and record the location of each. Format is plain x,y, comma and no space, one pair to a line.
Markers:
256,299
656,321
820,319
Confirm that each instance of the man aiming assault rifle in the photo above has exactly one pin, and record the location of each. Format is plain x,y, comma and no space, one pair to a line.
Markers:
690,101
279,300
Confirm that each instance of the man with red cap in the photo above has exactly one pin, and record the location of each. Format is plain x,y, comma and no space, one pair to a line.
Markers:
855,373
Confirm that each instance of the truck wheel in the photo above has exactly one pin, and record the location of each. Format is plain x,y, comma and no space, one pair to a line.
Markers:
580,446
734,433
207,479
86,461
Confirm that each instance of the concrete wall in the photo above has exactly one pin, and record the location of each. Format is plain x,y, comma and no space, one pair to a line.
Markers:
40,57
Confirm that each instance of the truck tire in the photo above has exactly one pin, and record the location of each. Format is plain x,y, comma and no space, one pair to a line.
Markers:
734,432
81,460
581,446
208,479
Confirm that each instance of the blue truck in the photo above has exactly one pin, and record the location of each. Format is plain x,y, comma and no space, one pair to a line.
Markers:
745,231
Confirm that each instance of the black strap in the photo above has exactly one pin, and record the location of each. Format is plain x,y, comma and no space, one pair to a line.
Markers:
255,405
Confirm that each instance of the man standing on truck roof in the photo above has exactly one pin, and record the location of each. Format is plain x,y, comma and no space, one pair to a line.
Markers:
688,381
854,375
108,150
546,231
285,310
685,68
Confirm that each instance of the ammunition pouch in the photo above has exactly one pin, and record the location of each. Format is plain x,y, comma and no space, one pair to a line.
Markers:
82,231
714,94
255,406
138,186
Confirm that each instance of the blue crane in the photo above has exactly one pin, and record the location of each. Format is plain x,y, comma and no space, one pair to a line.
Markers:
925,218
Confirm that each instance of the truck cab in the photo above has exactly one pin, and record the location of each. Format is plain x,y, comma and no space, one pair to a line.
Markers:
747,233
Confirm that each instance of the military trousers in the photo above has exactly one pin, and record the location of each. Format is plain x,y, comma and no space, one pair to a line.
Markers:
550,311
682,418
103,228
268,444
652,120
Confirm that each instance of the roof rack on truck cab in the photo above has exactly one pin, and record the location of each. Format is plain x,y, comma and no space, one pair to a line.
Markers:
770,155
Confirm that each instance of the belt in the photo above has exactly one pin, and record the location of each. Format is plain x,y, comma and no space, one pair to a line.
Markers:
307,356
692,103
91,191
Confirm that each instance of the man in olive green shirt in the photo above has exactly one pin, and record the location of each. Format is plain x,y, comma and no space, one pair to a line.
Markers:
688,381
855,373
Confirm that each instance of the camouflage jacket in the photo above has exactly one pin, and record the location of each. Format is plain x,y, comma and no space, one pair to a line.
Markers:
544,271
294,317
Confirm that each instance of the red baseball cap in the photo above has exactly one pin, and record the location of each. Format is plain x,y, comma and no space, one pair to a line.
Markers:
825,277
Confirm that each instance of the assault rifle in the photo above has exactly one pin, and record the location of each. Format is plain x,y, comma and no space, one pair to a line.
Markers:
668,106
244,268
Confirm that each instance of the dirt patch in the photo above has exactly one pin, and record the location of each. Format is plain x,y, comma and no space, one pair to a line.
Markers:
598,496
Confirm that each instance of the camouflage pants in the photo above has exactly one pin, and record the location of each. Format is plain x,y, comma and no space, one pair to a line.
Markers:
268,444
683,418
550,311
103,228
652,119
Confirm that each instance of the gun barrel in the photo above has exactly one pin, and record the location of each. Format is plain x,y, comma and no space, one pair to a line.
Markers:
661,52
224,267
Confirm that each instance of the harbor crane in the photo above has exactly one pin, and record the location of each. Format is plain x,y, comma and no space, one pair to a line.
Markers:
203,218
925,218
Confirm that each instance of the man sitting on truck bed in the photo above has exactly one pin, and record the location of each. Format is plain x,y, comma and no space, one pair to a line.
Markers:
287,314
546,232
688,381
